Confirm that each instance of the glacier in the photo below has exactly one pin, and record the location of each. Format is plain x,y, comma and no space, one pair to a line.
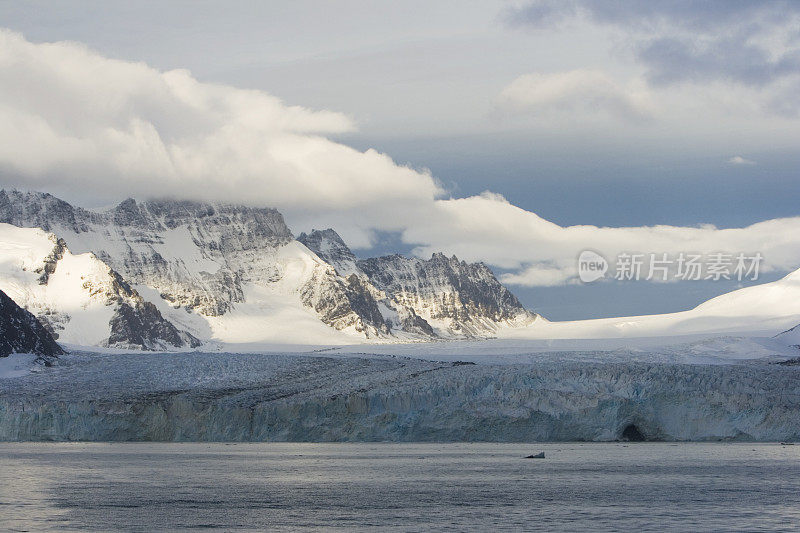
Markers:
562,395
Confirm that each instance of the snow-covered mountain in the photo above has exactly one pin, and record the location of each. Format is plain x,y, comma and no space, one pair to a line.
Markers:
235,274
21,332
78,298
455,297
441,296
761,310
791,336
174,274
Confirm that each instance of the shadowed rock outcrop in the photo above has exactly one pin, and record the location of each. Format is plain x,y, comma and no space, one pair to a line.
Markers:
21,332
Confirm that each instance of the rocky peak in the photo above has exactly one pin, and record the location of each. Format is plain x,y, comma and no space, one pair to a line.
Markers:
21,332
42,210
330,247
462,297
130,213
440,257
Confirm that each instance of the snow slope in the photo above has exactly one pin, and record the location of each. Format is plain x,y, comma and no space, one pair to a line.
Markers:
765,309
275,312
700,349
791,336
74,297
77,297
17,365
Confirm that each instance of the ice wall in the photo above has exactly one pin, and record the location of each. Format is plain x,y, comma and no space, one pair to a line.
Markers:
213,397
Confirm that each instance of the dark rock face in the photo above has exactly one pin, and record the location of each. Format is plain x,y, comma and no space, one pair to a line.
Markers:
225,232
353,296
362,295
20,332
335,303
142,326
413,323
51,261
461,289
363,303
444,288
139,324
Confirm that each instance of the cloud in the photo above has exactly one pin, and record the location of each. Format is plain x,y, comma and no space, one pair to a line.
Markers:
740,42
70,116
729,58
645,14
539,252
73,121
576,90
739,160
541,275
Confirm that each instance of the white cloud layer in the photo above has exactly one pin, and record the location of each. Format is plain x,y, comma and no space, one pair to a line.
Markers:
583,90
67,114
541,253
739,160
73,120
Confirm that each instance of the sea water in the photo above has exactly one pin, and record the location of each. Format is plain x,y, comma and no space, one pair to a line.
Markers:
400,487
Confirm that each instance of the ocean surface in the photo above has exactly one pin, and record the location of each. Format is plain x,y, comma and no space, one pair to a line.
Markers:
399,487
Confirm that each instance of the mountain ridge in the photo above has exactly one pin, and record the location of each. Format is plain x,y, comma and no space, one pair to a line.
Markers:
236,274
441,296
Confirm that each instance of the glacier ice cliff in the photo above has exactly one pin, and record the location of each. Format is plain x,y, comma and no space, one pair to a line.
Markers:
292,397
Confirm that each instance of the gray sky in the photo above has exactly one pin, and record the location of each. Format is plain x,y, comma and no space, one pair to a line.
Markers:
627,113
